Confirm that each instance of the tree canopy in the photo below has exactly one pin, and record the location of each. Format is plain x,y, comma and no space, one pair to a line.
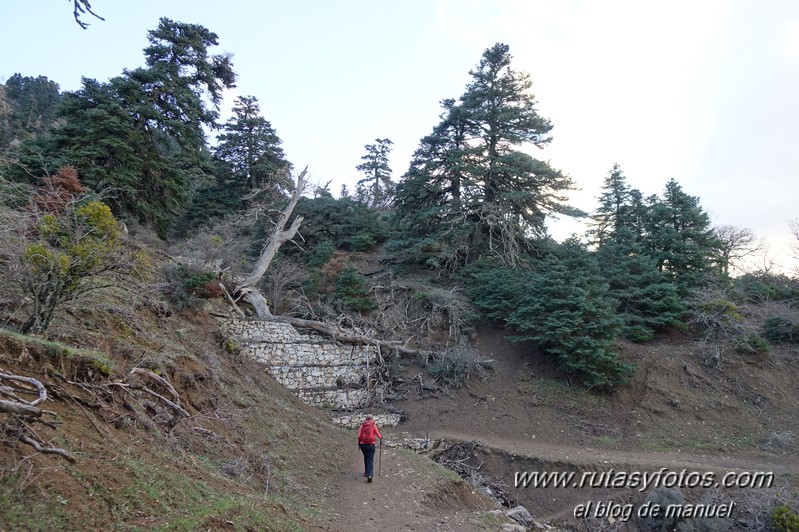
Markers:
139,137
471,190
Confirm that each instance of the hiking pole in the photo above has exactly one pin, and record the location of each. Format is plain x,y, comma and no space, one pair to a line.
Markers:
380,459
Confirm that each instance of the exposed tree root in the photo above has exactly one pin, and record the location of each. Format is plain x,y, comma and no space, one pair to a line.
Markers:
23,411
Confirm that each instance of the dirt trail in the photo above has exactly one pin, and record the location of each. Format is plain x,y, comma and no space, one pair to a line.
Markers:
409,494
551,452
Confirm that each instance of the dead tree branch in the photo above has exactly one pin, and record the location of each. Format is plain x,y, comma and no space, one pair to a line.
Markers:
160,380
23,411
247,288
46,450
349,337
40,389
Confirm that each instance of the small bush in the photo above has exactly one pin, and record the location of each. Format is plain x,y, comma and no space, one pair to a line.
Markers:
186,288
752,344
455,365
638,333
662,497
760,287
781,330
783,519
321,253
362,241
351,291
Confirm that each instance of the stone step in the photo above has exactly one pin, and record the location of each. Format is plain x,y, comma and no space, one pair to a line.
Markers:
303,354
353,421
318,376
337,399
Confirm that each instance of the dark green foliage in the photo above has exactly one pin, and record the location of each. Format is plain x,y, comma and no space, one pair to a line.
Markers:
567,311
761,287
614,205
351,291
469,191
648,299
496,289
781,330
376,189
563,307
251,149
752,344
362,241
139,137
27,108
345,223
186,287
783,519
679,237
320,254
621,216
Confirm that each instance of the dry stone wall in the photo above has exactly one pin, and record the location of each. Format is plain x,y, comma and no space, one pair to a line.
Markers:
321,371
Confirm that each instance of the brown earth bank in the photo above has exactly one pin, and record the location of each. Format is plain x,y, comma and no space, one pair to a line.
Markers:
250,456
677,414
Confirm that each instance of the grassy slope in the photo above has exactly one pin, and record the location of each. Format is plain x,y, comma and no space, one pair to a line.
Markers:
250,456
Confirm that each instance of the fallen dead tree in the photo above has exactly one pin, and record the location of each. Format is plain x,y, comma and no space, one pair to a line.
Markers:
247,289
351,337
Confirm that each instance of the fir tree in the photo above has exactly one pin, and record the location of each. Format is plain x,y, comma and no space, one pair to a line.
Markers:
469,191
251,147
376,188
140,136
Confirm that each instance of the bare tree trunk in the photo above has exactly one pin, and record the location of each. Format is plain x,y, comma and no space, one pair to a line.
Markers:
351,337
246,289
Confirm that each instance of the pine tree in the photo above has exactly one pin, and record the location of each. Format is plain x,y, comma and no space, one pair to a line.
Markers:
679,235
614,202
376,188
251,147
140,136
27,108
648,298
568,312
469,191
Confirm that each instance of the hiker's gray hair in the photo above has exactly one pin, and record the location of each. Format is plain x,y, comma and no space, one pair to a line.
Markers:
369,416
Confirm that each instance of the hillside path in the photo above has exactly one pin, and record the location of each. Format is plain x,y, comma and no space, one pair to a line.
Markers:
556,452
407,495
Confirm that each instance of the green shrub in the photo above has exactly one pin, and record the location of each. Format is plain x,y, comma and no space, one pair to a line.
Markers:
752,344
351,291
363,241
187,287
70,253
760,287
564,308
321,253
783,519
661,497
638,333
781,330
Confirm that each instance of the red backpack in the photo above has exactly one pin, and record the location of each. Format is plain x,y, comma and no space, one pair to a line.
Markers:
367,433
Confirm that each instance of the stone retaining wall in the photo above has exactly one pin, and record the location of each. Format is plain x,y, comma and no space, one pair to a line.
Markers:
322,372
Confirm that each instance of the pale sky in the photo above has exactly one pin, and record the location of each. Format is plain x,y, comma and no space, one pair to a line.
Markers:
702,91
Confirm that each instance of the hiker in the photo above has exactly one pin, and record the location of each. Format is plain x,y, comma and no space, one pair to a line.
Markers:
366,443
